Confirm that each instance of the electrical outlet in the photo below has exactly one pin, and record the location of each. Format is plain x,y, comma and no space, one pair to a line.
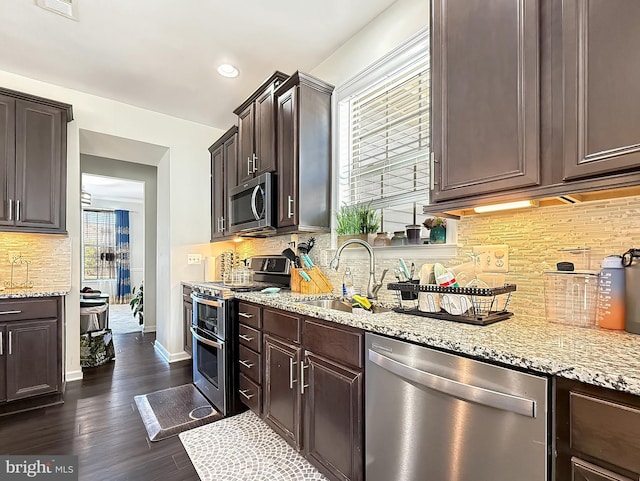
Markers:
492,258
194,258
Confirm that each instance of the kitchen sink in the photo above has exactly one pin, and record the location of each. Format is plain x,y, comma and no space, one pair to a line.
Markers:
338,305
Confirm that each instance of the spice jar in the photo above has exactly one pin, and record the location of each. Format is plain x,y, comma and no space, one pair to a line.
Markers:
399,238
383,239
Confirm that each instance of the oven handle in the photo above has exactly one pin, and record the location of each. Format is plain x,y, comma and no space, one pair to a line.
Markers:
208,302
203,340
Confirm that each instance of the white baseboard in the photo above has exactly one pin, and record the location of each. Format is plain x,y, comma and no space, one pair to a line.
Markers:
147,329
178,356
73,376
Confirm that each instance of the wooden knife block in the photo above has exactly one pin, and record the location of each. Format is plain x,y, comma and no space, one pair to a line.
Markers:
318,284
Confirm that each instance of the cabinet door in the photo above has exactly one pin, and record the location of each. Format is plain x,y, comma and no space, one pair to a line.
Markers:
601,42
265,133
217,192
7,158
187,320
282,404
287,159
333,418
3,361
584,471
245,145
32,358
39,165
231,169
485,96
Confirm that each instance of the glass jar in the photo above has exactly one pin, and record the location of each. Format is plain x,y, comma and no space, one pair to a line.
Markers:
399,238
383,239
413,234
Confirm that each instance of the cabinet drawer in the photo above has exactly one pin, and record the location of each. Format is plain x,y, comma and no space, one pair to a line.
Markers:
250,315
186,291
338,343
281,324
250,364
605,430
34,308
250,394
250,337
584,471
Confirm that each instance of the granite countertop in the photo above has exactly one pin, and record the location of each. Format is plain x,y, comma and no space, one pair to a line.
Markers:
609,359
26,293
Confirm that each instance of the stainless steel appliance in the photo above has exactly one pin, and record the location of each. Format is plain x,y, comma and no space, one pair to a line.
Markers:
215,337
434,416
252,207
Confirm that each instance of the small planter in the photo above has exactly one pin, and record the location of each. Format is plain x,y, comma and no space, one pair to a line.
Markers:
438,235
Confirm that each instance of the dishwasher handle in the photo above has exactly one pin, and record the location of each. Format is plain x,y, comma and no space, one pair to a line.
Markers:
465,392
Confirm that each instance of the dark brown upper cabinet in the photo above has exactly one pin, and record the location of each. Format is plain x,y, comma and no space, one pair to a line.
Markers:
304,154
256,131
485,96
224,153
601,68
33,160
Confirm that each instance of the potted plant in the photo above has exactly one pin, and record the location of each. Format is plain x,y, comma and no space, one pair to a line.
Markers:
357,221
137,303
437,229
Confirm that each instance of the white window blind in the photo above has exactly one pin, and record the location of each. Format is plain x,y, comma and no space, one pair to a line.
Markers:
384,136
99,244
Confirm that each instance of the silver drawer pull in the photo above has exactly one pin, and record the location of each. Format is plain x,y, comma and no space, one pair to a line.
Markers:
244,393
245,315
246,338
302,384
291,380
1,344
9,312
246,364
10,343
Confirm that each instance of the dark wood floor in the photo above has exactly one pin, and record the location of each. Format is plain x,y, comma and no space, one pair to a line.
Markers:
100,423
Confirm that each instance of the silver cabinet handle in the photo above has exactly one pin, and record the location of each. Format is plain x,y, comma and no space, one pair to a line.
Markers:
10,343
219,225
222,224
302,384
208,302
1,344
594,469
3,313
432,176
198,337
465,392
246,338
10,212
245,315
289,207
246,364
291,380
18,213
249,171
244,393
255,163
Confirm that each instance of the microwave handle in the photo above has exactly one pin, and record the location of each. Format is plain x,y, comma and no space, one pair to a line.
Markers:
254,195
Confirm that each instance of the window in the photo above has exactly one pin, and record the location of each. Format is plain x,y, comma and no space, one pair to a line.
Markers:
99,244
383,136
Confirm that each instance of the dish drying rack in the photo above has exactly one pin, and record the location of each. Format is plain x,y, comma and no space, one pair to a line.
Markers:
476,305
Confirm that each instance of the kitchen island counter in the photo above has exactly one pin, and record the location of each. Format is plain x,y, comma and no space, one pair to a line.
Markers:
609,359
27,293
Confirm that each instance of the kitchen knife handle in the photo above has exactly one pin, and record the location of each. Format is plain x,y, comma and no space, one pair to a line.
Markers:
289,207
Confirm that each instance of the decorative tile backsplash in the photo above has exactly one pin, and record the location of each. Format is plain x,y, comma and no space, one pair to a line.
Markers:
39,261
534,237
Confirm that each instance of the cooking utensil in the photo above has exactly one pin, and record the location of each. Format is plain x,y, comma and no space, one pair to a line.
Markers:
397,273
289,254
310,243
413,270
403,268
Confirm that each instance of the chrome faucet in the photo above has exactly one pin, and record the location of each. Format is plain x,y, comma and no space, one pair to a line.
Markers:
374,286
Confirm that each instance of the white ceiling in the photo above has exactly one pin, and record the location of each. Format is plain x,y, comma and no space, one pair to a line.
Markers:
112,189
162,55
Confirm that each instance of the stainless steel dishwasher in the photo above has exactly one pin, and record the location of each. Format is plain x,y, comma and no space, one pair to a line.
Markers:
434,416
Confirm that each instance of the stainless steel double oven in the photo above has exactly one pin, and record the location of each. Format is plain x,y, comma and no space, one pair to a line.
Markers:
214,350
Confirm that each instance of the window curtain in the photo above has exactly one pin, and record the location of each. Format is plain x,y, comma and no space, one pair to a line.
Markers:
123,269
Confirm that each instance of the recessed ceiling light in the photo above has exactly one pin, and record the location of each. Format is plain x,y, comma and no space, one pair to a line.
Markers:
227,70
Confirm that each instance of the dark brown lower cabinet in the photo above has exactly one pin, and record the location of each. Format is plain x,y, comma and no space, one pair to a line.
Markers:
187,318
313,390
333,417
3,362
597,433
250,355
282,403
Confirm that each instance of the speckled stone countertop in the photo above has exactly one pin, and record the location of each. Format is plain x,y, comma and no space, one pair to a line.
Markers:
610,359
25,293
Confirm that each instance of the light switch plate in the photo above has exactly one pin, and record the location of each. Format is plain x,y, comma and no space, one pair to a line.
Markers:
493,258
194,258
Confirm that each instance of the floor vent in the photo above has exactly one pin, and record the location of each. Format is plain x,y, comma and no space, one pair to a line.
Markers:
66,8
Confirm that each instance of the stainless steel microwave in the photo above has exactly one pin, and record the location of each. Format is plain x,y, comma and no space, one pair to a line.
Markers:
252,207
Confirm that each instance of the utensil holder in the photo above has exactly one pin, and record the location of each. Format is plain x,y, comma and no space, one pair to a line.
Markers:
319,284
